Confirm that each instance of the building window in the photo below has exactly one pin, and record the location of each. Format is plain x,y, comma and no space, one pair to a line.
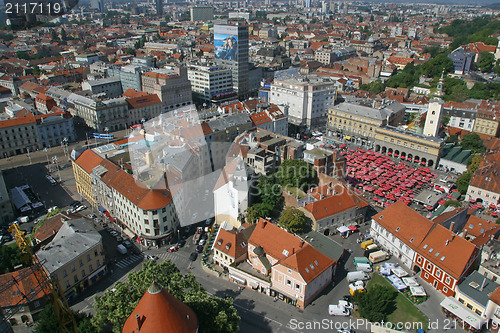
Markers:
438,273
426,275
297,286
448,280
288,283
419,260
75,278
459,299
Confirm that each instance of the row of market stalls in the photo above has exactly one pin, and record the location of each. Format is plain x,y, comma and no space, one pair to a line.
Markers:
401,280
388,181
25,200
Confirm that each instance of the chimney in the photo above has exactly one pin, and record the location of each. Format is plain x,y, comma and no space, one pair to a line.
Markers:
139,322
293,250
264,224
452,224
465,233
301,243
452,237
483,284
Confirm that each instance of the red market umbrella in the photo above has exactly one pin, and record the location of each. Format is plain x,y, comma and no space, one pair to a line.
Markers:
429,207
441,202
353,228
493,206
472,200
494,214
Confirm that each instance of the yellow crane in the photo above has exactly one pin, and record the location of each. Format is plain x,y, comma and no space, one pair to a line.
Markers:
61,308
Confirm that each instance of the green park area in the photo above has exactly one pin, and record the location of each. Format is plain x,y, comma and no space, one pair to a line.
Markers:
402,310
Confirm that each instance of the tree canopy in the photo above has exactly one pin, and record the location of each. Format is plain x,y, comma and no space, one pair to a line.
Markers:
214,314
376,303
294,220
296,173
486,61
474,143
10,256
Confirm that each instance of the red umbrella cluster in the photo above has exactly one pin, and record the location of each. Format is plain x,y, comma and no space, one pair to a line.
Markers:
389,181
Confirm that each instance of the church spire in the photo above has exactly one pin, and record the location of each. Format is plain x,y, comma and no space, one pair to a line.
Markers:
439,89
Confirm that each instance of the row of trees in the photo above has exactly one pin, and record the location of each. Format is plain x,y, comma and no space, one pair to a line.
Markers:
268,190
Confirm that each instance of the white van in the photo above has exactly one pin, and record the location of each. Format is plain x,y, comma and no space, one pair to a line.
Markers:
357,276
367,268
338,310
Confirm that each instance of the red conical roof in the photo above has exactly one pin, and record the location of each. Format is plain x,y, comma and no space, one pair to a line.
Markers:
159,312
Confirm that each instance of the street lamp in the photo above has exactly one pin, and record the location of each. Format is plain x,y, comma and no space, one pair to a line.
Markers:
55,160
107,131
47,155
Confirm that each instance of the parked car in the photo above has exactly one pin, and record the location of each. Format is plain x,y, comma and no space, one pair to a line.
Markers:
75,204
181,243
127,244
199,248
346,304
79,209
119,238
113,233
91,216
193,256
51,209
153,257
202,242
338,310
173,248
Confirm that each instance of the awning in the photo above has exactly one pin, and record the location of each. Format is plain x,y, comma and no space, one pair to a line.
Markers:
455,307
253,284
238,279
342,229
97,272
347,137
129,233
101,209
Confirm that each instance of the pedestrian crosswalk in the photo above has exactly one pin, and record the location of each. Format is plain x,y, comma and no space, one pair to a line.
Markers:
172,256
129,260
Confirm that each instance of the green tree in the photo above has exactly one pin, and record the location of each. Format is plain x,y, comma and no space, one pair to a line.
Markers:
474,143
452,203
257,211
36,70
445,119
294,220
296,173
375,87
10,256
376,304
214,314
22,55
463,182
459,93
473,163
452,139
269,191
63,34
485,62
47,321
53,35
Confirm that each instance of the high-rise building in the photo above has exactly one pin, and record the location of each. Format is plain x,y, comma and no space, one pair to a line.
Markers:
231,52
433,118
202,13
159,7
210,83
98,4
171,85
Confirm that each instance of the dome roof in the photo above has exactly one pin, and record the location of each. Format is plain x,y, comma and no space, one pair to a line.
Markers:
158,312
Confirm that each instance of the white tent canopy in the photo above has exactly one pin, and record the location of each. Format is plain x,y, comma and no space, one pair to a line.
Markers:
399,272
417,291
410,281
342,229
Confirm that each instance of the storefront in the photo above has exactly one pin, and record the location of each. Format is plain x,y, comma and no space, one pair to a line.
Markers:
237,279
283,297
467,319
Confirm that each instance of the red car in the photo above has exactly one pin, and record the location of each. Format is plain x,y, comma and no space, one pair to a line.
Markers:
173,248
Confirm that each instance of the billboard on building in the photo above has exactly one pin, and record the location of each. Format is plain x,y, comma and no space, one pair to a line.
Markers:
226,42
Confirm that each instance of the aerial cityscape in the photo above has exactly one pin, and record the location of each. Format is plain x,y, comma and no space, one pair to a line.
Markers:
249,166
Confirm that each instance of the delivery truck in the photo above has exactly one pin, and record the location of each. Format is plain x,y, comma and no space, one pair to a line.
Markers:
378,256
366,243
367,268
357,276
361,260
338,310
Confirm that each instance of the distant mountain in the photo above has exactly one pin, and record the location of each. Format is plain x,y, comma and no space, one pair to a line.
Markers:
493,6
445,2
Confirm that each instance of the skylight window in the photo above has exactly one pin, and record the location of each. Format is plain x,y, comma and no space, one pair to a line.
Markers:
442,258
411,240
316,262
397,229
285,253
436,255
431,249
425,246
307,270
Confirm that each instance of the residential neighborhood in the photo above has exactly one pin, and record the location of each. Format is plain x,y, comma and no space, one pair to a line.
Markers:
249,166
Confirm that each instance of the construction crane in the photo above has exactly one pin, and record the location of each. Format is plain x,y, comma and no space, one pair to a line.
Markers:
61,308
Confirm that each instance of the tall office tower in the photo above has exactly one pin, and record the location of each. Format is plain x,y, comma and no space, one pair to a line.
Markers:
231,52
98,4
433,118
159,7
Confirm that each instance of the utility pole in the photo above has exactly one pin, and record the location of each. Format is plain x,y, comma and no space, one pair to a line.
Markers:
55,160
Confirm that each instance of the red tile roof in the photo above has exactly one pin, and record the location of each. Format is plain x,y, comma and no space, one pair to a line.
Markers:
234,243
495,296
259,118
25,286
28,119
160,312
447,250
487,176
331,205
412,229
50,227
142,101
308,261
274,240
